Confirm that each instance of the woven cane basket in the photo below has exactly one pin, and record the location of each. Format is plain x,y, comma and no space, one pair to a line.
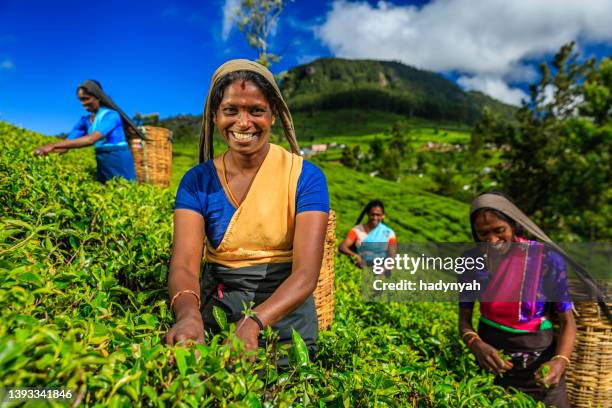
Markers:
589,376
324,293
153,155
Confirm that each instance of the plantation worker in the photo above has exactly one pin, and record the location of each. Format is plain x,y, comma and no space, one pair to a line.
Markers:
102,128
262,211
522,284
378,238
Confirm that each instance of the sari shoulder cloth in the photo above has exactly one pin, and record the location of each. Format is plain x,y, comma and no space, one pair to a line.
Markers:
261,230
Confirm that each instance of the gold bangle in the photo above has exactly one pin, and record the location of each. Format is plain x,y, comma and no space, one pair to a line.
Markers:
468,332
560,356
179,293
472,340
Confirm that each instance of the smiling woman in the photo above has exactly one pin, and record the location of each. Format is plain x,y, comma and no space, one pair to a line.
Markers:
380,240
262,211
524,284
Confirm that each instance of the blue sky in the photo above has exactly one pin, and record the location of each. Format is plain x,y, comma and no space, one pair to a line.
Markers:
158,56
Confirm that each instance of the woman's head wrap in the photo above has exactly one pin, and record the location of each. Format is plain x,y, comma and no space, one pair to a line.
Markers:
505,206
93,88
208,126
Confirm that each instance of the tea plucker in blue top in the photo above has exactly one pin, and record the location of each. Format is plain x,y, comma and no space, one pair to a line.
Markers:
102,128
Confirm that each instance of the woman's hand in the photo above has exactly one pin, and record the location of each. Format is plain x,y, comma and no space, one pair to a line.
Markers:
247,330
44,149
359,261
488,357
555,371
190,327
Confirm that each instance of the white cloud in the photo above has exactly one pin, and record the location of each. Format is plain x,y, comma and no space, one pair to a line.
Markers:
485,40
7,64
229,9
494,87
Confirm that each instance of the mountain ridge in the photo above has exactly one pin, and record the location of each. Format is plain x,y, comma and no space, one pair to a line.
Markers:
391,88
336,83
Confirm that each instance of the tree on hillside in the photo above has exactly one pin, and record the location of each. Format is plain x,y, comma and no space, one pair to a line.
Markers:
558,164
390,165
444,179
400,138
376,148
150,119
491,128
256,19
350,157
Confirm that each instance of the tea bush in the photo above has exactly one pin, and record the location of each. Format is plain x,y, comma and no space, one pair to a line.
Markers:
83,270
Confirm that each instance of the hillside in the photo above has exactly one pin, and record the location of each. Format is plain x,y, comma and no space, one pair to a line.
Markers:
360,97
334,83
415,215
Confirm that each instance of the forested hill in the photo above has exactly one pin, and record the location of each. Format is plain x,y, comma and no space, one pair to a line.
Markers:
378,92
333,83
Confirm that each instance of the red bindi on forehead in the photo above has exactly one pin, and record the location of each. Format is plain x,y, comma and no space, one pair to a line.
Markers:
243,84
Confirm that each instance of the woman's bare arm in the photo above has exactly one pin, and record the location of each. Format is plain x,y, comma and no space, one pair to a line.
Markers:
61,146
567,334
185,275
345,247
308,245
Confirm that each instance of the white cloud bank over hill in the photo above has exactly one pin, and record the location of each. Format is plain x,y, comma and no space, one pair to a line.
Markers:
486,41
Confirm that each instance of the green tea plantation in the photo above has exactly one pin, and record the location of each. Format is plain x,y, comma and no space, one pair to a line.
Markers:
83,271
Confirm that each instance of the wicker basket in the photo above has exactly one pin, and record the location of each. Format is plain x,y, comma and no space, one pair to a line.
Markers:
324,293
589,376
152,156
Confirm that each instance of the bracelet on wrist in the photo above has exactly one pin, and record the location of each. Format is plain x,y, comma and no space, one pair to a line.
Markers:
472,340
257,320
562,357
468,333
182,292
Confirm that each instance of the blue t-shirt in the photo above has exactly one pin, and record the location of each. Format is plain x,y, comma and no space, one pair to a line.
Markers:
201,191
108,122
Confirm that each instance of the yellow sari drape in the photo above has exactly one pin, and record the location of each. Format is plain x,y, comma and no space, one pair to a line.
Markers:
261,230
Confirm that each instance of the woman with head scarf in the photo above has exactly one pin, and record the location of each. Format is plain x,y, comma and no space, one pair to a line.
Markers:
378,238
262,211
102,128
522,283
